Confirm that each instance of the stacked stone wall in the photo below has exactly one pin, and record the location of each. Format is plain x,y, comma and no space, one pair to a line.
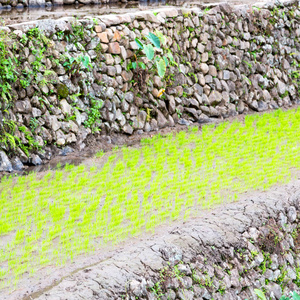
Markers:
74,78
20,4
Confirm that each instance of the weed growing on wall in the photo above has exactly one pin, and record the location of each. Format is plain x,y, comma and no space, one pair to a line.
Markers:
160,62
261,295
94,115
54,217
11,74
8,73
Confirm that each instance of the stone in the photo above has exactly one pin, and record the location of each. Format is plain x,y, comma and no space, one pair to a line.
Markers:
226,75
36,112
141,118
44,88
200,48
234,278
136,288
274,259
291,274
285,64
66,108
114,48
208,79
171,121
198,89
247,36
206,295
147,127
254,105
17,165
281,87
23,106
240,107
214,98
157,82
46,135
213,112
123,52
129,97
259,258
54,124
193,102
120,117
133,110
266,96
127,76
60,70
62,90
182,121
204,68
111,71
103,37
66,150
262,106
5,164
93,44
292,214
170,294
117,36
100,27
269,274
104,47
155,93
127,129
73,126
109,59
110,92
185,294
35,160
203,118
124,106
60,141
274,290
204,57
213,71
161,120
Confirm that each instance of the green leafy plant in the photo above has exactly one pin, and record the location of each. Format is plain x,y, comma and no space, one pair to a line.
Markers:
73,65
94,114
161,62
8,72
33,124
260,294
179,113
293,296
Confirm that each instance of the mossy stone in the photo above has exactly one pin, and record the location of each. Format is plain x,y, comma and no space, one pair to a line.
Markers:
62,90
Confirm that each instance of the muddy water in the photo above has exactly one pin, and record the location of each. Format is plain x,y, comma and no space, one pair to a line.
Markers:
26,14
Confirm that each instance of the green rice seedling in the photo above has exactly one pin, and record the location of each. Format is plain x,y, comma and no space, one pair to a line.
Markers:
77,210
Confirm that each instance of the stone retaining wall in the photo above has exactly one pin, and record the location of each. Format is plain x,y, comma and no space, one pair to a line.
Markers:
7,4
224,254
64,73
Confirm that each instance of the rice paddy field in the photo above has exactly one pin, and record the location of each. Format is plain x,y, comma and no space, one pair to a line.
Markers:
53,217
